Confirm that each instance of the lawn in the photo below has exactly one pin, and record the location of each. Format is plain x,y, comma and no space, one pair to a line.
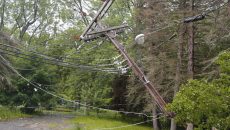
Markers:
98,123
10,113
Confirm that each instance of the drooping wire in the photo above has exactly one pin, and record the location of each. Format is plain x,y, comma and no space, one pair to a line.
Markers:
116,63
120,69
125,126
54,59
59,63
77,59
67,100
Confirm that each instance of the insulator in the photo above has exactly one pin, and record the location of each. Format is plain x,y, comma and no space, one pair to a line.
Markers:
124,71
140,39
116,62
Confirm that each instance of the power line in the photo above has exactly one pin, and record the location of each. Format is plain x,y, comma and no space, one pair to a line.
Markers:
189,19
78,59
203,15
33,52
67,100
58,60
117,64
125,126
59,63
53,60
26,69
38,54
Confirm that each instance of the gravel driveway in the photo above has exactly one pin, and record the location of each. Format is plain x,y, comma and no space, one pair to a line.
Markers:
46,122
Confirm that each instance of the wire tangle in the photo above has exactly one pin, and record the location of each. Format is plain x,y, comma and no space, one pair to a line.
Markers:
59,62
68,100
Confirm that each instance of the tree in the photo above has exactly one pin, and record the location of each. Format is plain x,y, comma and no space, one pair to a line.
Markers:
7,89
206,103
3,7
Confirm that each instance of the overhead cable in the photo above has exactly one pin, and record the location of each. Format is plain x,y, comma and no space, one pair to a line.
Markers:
55,59
59,63
67,100
189,19
125,126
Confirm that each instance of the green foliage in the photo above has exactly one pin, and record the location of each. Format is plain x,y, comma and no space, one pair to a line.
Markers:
224,62
206,104
10,113
90,122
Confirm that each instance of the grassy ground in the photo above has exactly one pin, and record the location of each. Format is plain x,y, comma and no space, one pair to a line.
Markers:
108,120
10,113
94,123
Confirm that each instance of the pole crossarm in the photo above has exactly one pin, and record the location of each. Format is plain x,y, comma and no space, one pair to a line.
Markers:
101,33
101,13
111,34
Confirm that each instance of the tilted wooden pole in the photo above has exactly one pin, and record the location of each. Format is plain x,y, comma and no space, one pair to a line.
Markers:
111,34
139,73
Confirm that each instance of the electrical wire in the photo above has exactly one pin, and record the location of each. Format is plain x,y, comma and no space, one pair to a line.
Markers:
64,99
59,63
26,69
122,69
42,55
125,126
92,106
88,50
189,19
52,58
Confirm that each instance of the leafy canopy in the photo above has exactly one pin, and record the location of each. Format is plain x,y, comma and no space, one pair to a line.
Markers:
206,104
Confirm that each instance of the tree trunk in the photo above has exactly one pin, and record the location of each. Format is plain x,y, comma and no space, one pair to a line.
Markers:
189,126
85,109
191,45
191,34
173,124
179,57
179,60
29,22
2,15
228,7
191,51
155,121
213,128
178,68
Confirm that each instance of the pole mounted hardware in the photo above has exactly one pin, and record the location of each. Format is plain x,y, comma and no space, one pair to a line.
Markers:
101,33
96,30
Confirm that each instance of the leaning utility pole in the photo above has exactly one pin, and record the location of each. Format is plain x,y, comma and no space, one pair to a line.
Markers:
96,30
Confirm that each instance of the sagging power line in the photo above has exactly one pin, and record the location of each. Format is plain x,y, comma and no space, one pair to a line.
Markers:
117,65
58,63
68,100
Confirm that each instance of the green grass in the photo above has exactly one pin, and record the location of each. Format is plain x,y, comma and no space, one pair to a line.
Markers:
10,113
94,122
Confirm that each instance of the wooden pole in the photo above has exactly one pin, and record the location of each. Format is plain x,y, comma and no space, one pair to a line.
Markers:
139,73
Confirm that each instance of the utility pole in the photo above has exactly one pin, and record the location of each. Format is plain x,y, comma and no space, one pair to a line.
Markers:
96,30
